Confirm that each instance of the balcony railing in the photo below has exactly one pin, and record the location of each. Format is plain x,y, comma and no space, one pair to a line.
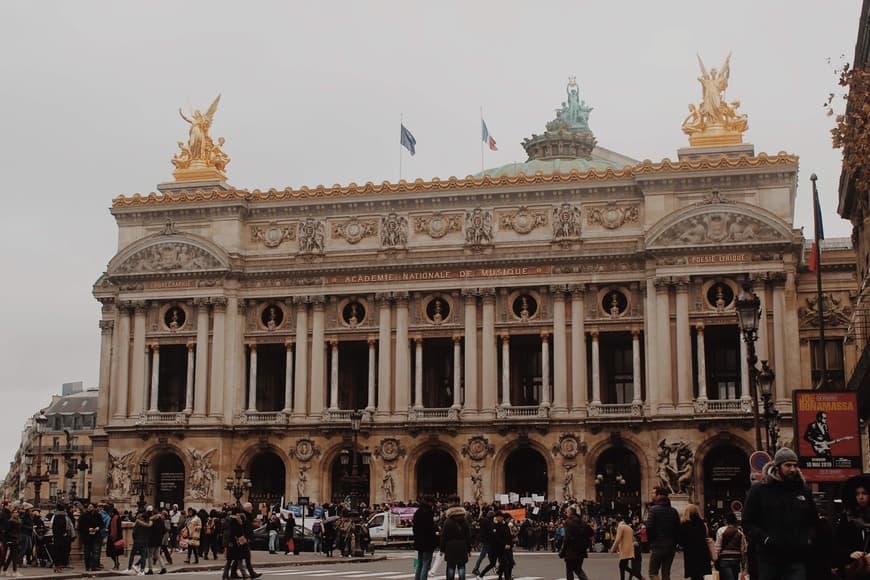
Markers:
433,414
262,418
723,406
162,418
522,412
616,410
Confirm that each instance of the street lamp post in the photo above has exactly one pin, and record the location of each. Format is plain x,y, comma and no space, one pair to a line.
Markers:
142,484
766,377
70,464
354,480
238,486
748,307
39,477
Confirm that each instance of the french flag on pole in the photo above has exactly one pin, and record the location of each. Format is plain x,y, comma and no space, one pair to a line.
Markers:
487,138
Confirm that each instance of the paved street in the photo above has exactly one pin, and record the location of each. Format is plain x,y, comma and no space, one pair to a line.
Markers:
398,565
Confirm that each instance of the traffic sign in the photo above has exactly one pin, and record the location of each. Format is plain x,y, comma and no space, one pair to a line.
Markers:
755,476
736,506
758,460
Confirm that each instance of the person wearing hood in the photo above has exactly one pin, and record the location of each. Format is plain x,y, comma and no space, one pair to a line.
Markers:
852,534
455,542
779,515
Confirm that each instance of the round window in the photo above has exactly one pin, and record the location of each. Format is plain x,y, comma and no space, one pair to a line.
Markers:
720,295
272,316
614,303
174,318
353,313
437,310
525,306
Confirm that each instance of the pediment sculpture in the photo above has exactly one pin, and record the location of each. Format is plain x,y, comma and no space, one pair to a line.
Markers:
676,466
394,231
311,236
478,227
167,257
717,227
566,223
834,312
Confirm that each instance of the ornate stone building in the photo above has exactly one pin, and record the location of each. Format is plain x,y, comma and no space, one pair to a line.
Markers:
562,327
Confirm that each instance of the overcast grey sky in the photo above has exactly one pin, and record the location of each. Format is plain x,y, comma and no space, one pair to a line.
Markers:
312,93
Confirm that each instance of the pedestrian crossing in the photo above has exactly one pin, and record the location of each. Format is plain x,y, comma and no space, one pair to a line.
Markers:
349,574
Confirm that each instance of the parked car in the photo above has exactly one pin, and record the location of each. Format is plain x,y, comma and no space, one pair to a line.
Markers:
260,540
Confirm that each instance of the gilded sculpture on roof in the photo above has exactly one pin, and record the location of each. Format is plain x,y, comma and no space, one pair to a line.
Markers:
715,121
201,158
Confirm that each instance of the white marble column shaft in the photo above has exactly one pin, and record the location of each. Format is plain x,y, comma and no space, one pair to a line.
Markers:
252,379
288,377
418,372
200,390
120,366
300,375
457,372
137,371
471,385
596,369
636,368
402,391
189,378
218,353
684,349
578,352
155,377
663,349
702,362
333,375
545,370
384,361
318,358
505,370
370,405
489,360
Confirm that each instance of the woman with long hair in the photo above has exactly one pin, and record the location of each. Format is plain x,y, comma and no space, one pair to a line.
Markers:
234,540
115,534
13,531
694,537
852,534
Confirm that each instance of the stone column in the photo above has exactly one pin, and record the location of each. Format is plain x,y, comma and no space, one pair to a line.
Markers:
471,386
650,326
745,389
779,362
300,376
137,371
505,370
370,406
402,391
120,363
457,372
702,362
318,356
635,367
560,352
288,377
155,377
188,383
596,368
252,379
418,372
218,335
233,357
107,360
761,347
545,370
333,375
663,346
578,351
200,390
684,348
489,360
384,366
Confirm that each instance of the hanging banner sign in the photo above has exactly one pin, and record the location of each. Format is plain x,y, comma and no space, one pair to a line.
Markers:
827,436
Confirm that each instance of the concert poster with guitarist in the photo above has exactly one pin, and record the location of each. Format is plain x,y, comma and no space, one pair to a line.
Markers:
826,432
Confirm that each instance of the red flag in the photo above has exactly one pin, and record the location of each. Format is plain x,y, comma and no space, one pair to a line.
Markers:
491,144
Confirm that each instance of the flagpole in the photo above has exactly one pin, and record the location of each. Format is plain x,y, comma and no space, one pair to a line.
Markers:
481,140
401,124
817,257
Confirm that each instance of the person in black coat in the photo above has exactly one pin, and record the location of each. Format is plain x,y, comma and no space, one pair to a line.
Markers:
455,541
662,529
693,538
485,537
425,538
852,534
61,535
235,541
501,548
575,547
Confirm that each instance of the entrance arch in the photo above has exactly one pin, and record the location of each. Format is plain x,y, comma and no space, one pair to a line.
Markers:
617,481
436,474
343,484
169,478
268,479
726,478
525,472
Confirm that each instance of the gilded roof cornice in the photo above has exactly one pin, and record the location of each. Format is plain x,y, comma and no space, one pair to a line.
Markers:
644,168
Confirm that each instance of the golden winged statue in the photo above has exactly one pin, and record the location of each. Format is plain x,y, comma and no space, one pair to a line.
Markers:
201,157
715,121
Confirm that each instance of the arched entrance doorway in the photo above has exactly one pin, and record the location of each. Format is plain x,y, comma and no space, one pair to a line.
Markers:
436,474
168,480
347,486
726,478
617,482
267,479
525,473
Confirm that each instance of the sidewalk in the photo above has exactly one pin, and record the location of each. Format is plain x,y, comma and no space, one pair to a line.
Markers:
260,560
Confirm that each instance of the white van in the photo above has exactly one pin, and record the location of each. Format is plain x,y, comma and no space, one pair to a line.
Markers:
390,528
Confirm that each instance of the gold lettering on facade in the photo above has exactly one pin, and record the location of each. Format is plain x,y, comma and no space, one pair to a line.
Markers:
720,259
440,275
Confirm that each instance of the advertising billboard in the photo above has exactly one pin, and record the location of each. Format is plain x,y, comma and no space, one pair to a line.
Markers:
826,435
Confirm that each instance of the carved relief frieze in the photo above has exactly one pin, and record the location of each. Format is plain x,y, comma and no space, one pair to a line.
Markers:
717,227
202,473
281,282
566,223
834,311
311,237
169,257
477,448
354,230
273,234
612,215
438,225
523,220
478,228
304,450
389,449
394,231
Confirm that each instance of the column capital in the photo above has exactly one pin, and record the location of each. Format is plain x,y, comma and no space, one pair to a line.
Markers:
488,295
682,284
140,306
401,298
577,290
201,302
107,326
299,300
252,346
505,337
383,299
288,343
699,327
318,302
635,333
457,339
418,340
191,346
663,282
372,341
593,332
470,293
333,343
559,290
154,347
124,306
219,303
545,336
